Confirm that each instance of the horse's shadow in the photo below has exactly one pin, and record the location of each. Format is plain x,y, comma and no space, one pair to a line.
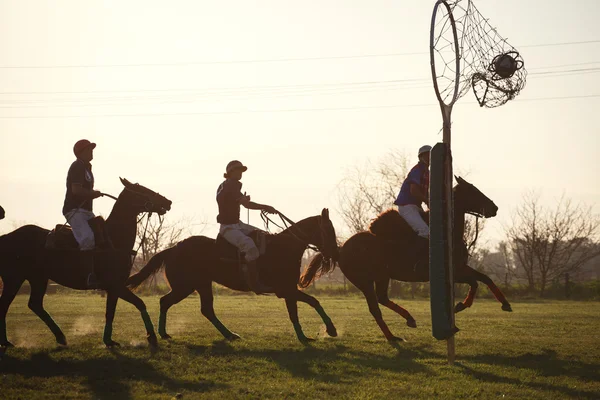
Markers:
314,362
106,377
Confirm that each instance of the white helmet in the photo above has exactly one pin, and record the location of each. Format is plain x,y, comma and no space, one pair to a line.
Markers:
424,149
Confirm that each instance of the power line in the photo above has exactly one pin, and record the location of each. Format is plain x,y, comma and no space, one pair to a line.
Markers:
281,110
222,91
272,60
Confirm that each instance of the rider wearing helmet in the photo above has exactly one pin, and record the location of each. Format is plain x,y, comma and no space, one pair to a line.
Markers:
414,192
229,199
79,197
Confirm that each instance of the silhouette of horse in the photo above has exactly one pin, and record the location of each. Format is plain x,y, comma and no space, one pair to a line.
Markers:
198,261
23,256
387,251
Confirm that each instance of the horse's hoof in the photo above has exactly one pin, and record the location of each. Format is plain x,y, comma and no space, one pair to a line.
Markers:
6,344
506,307
62,341
411,323
459,307
166,336
112,344
331,331
395,339
233,336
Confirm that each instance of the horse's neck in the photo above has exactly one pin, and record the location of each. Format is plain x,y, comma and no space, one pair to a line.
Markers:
459,224
121,226
302,231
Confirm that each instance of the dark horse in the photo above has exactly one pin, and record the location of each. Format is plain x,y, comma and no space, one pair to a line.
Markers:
197,261
370,259
23,256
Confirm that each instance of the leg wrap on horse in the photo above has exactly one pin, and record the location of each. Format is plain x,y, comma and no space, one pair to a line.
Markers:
221,328
107,337
162,324
400,310
147,321
299,332
497,293
323,315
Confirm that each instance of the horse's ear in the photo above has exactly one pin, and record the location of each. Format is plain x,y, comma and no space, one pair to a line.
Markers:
125,182
325,213
459,179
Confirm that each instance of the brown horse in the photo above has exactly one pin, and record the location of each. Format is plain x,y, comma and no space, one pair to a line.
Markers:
198,261
23,256
387,251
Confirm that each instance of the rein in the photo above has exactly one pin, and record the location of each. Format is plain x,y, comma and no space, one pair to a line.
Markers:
477,216
287,223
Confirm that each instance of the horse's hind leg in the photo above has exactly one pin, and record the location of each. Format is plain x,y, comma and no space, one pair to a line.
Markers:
167,301
292,307
207,309
492,286
468,301
369,292
381,289
36,304
138,303
9,291
314,303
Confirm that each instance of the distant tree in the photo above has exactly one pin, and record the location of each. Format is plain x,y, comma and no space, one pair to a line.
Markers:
157,235
547,243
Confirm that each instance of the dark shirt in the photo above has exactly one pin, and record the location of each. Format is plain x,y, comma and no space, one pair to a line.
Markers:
228,198
418,175
80,172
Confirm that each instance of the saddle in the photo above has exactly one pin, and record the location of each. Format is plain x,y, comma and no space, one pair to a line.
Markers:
229,253
62,238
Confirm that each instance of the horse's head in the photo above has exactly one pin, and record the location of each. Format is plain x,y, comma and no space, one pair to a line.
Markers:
470,199
1,213
328,245
143,199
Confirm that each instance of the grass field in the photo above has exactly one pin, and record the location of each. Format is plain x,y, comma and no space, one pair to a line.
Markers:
543,350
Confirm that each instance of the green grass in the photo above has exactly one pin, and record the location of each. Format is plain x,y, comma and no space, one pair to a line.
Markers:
543,350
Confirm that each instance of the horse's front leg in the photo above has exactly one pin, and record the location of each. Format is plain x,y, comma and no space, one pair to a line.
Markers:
314,303
138,303
111,305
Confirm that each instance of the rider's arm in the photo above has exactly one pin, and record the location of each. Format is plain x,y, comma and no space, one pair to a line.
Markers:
245,201
79,191
417,192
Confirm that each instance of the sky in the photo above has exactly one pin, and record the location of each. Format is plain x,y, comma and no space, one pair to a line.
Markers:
300,92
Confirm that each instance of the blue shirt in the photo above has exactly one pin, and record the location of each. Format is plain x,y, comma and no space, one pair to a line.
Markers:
228,198
418,175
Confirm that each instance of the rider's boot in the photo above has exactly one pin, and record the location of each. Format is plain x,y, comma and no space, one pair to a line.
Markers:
251,274
88,264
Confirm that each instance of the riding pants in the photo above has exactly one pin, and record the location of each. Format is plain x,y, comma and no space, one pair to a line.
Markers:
78,219
412,214
237,235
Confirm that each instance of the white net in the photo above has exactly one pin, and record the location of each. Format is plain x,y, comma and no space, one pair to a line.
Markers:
488,63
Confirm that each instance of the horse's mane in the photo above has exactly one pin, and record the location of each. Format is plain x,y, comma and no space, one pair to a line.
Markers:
388,224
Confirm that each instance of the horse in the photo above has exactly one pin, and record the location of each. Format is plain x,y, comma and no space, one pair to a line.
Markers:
196,262
23,256
371,258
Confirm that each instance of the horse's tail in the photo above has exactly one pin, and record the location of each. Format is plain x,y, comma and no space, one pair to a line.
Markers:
317,267
156,263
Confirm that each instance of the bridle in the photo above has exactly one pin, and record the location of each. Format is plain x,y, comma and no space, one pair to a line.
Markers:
301,236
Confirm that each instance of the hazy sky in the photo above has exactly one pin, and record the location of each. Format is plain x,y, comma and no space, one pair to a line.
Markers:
298,91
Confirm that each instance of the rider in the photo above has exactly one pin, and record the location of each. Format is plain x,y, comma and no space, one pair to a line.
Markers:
414,192
229,198
77,207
